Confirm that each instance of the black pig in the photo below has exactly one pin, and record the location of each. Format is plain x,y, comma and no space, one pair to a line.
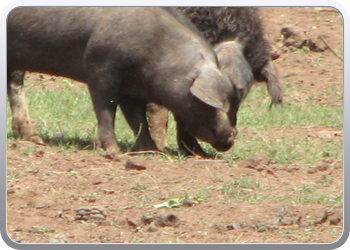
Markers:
129,56
237,36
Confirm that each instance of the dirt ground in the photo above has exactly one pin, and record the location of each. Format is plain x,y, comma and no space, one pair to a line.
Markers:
83,197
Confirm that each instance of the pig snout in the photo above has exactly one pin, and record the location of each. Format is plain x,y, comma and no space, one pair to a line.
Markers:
224,143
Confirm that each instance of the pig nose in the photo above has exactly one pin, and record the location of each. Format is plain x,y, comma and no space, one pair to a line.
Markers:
226,146
230,141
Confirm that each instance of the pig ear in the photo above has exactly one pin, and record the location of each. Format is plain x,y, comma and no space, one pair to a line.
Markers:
234,65
210,87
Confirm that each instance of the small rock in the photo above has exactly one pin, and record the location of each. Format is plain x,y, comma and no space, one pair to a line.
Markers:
328,160
96,182
91,199
97,216
152,229
10,191
103,223
326,154
18,229
146,219
274,221
40,206
188,203
289,170
338,165
323,167
82,212
97,209
81,208
167,220
107,240
129,165
131,223
286,222
262,229
58,239
39,153
334,220
108,191
219,228
31,171
59,214
79,217
312,170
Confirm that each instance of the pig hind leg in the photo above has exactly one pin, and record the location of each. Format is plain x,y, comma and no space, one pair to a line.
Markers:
22,126
158,124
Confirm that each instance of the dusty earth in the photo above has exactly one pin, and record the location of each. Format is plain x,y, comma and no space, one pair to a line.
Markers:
83,197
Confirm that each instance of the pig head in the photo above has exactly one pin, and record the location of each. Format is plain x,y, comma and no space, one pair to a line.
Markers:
233,65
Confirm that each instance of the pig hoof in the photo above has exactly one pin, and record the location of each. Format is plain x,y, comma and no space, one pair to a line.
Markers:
196,152
112,156
36,139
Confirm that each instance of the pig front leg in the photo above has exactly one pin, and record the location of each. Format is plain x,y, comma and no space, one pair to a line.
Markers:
135,113
188,143
22,126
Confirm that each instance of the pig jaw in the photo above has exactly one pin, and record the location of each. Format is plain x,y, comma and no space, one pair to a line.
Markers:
220,133
225,133
224,143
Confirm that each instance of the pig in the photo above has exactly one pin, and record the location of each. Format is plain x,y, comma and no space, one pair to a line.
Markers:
127,56
243,25
237,36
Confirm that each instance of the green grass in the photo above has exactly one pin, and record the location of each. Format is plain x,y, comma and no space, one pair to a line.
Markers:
255,110
69,112
252,191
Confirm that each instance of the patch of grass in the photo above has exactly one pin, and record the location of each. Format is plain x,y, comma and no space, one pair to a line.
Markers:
317,197
141,187
298,113
293,113
177,200
68,112
243,190
308,188
252,191
14,176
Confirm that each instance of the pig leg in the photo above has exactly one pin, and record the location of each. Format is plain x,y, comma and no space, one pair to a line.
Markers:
21,123
188,143
104,97
158,124
135,114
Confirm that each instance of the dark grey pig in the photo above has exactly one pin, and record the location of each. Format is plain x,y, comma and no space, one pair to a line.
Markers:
237,36
125,55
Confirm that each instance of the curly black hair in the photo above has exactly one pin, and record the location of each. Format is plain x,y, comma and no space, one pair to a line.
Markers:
242,24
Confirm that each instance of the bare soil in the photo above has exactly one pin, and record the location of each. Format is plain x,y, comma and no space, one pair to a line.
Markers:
83,197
